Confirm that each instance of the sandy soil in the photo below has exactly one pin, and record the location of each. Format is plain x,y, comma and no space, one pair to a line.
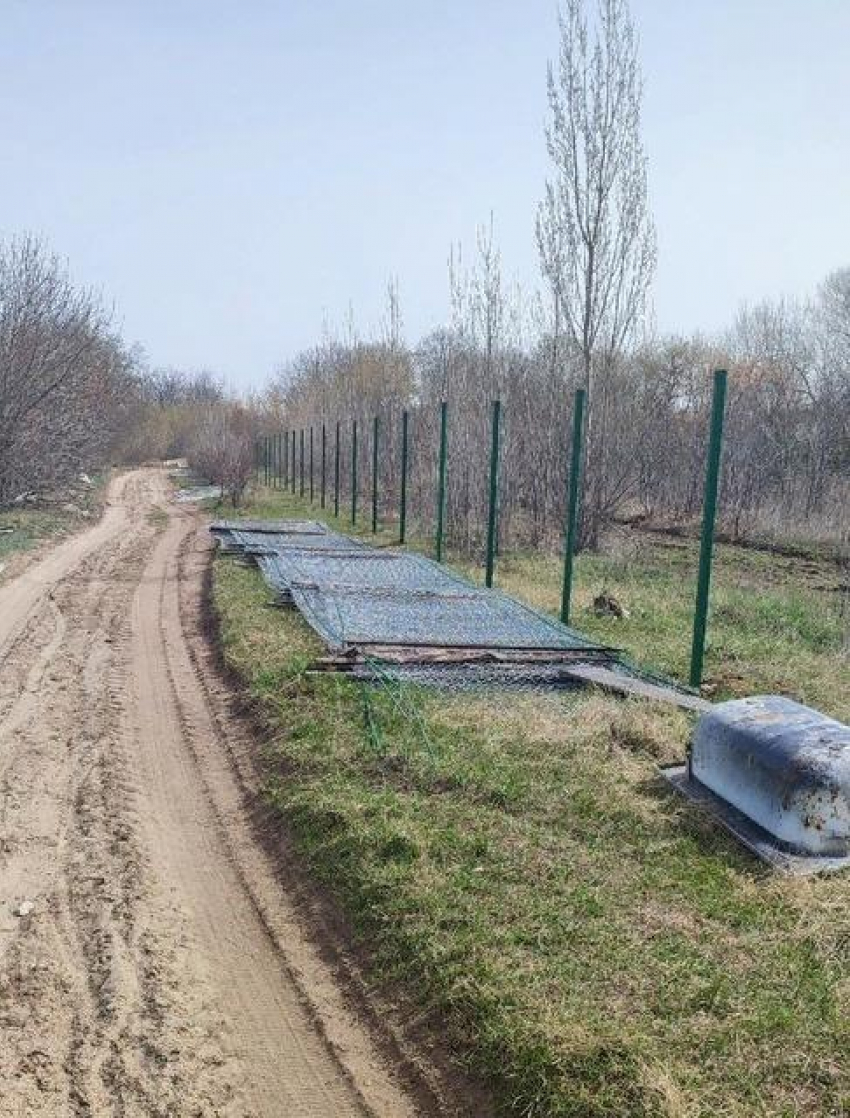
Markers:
151,960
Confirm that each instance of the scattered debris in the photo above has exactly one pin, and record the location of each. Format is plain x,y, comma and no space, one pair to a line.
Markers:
606,605
23,909
199,493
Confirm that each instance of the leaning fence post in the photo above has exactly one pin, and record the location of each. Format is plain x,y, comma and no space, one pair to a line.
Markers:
354,471
573,504
441,480
336,472
402,508
494,493
709,516
311,463
324,464
375,475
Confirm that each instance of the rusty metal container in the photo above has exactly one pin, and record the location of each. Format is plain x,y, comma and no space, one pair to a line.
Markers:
784,766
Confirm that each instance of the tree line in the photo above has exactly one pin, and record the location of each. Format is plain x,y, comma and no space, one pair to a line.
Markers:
75,398
786,457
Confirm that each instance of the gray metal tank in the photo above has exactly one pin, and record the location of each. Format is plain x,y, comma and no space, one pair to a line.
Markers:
782,765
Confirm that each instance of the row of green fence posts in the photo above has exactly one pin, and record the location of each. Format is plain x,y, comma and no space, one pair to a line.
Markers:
712,480
274,452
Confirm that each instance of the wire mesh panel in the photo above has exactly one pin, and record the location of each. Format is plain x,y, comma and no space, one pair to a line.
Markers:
371,601
358,569
468,677
273,543
470,618
272,527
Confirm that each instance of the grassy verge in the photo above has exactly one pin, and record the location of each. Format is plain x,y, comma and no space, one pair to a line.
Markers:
22,528
594,946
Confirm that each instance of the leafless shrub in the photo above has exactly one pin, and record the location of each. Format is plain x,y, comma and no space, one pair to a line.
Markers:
222,448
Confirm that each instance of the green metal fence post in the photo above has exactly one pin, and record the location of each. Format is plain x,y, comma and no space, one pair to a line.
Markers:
375,475
286,458
265,460
441,480
311,463
354,471
301,463
336,472
494,493
709,516
292,471
402,508
324,464
574,499
278,451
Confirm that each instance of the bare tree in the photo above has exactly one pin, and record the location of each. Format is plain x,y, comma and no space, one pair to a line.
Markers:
594,231
60,368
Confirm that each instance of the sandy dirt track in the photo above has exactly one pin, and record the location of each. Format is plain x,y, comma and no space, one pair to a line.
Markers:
162,969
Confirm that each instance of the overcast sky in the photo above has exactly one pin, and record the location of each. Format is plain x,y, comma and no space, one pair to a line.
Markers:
229,173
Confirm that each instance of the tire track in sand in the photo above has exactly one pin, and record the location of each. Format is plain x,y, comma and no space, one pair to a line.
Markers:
147,980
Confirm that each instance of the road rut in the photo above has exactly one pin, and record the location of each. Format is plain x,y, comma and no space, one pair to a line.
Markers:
162,969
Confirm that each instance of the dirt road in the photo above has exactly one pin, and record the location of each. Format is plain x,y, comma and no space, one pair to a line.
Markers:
151,963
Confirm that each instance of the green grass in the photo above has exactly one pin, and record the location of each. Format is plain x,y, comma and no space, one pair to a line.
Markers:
776,624
594,945
31,525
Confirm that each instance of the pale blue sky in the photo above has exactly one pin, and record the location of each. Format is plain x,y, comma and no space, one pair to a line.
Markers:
229,172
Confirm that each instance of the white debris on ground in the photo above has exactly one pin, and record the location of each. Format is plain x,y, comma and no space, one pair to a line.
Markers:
198,493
